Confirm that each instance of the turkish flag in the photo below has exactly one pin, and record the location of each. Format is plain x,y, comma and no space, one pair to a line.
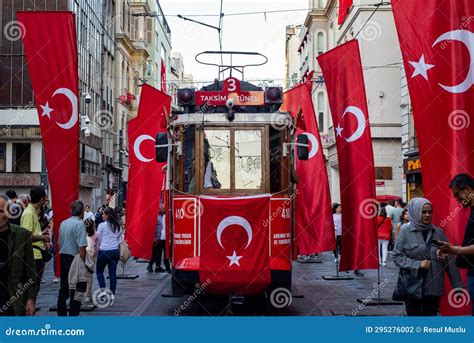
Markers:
49,39
438,55
234,248
342,70
145,177
344,6
313,214
163,76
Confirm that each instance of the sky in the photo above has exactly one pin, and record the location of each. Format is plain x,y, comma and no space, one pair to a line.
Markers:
240,33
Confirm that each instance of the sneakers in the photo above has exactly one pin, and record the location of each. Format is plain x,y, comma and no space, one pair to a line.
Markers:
88,300
384,264
335,260
149,269
56,280
159,270
358,273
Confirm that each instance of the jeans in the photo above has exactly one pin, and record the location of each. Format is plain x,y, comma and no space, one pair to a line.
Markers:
337,252
110,259
470,287
383,245
64,292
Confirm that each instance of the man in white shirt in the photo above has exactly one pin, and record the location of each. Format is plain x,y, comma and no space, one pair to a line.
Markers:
88,214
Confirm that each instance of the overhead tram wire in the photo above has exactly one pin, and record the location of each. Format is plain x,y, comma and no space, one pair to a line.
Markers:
377,6
221,16
383,3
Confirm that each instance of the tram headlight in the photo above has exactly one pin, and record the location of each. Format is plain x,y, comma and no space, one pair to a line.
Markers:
185,97
274,95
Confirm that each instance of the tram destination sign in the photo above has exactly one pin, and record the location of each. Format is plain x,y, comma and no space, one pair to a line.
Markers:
230,90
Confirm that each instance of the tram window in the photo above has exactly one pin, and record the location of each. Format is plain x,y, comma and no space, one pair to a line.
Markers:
275,160
248,159
189,153
216,159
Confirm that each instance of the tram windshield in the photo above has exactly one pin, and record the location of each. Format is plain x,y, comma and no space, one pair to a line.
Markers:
227,160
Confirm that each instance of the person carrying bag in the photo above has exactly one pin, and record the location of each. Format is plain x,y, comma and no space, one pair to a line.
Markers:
421,280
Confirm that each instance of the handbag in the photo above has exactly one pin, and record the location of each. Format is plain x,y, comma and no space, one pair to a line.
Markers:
124,249
46,256
408,287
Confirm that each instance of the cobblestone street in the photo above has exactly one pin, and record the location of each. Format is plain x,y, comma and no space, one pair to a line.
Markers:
312,295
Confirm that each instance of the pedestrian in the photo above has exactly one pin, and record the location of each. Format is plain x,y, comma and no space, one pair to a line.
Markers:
24,200
17,268
91,250
88,214
420,267
384,230
30,221
72,242
395,218
109,237
401,221
336,215
159,243
14,209
462,187
98,215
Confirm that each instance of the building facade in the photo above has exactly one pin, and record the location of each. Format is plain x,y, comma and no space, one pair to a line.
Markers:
22,163
412,186
292,60
381,58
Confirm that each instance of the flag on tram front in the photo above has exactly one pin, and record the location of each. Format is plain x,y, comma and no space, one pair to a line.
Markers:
313,214
49,39
145,177
342,70
234,244
438,55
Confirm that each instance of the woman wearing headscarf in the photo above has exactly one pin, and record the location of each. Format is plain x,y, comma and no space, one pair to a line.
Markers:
416,254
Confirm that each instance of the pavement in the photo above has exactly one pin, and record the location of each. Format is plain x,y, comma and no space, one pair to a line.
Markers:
148,295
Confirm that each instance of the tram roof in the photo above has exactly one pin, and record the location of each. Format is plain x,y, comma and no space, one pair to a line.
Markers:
276,118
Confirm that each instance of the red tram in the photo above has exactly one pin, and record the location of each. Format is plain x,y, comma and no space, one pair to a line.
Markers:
229,195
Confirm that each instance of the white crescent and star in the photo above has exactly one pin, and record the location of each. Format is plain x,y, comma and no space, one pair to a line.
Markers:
136,147
234,220
467,38
314,144
74,114
357,112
